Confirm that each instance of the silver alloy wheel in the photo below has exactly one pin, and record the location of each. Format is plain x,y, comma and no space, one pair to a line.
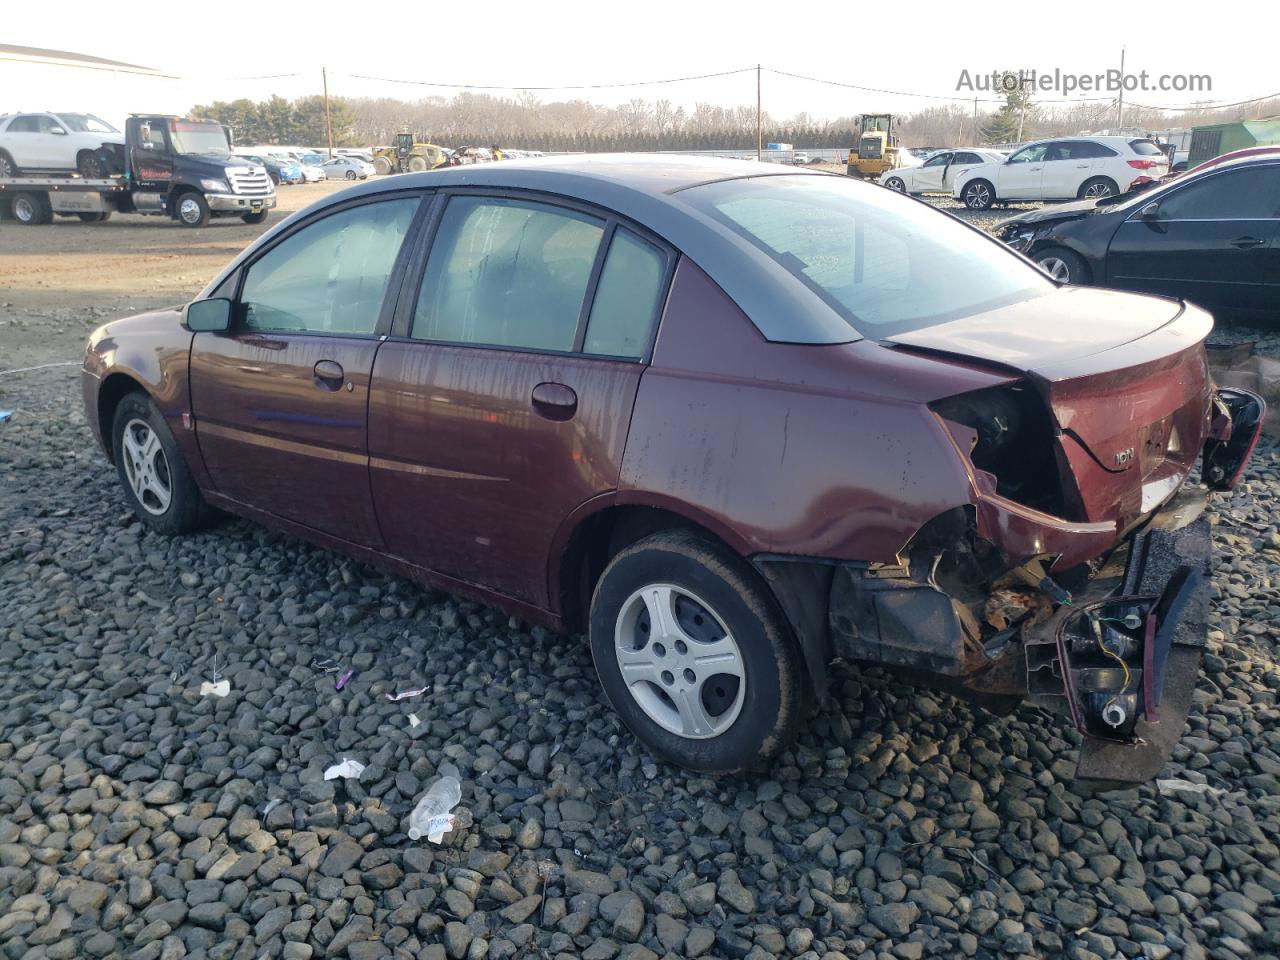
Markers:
1056,268
977,195
6,167
1096,191
897,185
189,209
146,467
679,662
24,210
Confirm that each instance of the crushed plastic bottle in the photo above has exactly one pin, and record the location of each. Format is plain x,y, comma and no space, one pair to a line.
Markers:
431,816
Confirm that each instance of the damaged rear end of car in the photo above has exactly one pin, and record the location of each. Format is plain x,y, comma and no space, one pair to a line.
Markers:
1077,573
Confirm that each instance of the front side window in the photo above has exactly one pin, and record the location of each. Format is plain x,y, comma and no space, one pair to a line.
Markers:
85,123
884,262
507,273
1252,194
331,276
628,298
50,124
940,160
1032,154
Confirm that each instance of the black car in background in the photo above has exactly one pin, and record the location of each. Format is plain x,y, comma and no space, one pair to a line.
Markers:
1212,237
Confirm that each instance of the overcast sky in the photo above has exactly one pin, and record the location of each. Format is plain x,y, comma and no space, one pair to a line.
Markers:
908,46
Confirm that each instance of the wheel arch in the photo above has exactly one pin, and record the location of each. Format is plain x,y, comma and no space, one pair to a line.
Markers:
114,388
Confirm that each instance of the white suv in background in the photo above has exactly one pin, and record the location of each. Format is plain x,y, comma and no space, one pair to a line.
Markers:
46,142
1064,168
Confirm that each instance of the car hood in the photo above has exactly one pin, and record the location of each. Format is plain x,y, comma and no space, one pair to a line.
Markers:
1059,211
1049,335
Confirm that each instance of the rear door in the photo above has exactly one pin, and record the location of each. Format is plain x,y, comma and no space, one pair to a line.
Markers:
1213,241
23,141
929,177
503,401
280,401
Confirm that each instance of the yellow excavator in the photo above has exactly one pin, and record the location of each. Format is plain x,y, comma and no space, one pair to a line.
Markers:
408,155
877,149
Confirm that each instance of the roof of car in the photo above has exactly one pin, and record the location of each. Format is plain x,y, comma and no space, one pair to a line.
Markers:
645,189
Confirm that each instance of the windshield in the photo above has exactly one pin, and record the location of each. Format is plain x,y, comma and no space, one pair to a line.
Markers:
199,138
85,123
884,262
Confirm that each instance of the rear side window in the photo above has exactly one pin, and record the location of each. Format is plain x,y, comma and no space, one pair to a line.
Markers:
967,158
1146,148
507,273
330,276
1251,194
628,298
24,125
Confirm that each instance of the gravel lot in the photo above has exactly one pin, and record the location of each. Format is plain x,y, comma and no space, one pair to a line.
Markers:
140,819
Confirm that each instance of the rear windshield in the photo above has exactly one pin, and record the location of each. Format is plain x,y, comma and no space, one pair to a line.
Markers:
1146,148
886,263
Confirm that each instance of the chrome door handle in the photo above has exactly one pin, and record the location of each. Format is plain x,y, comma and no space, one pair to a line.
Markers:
1244,243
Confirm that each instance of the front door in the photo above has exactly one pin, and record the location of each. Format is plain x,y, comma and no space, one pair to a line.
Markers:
1021,174
1211,241
929,178
504,404
280,401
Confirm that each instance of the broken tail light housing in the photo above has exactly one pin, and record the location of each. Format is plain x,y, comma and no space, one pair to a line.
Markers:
1143,164
1237,423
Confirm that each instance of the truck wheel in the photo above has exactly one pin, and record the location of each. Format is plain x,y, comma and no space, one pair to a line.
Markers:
382,166
192,209
417,164
256,217
7,167
32,209
94,217
694,654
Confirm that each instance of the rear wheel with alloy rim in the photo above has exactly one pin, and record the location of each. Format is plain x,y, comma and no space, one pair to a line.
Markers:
978,195
694,654
152,471
895,183
7,167
1063,265
1097,188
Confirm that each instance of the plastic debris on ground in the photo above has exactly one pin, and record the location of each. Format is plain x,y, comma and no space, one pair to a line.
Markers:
413,720
218,688
406,694
348,769
342,680
5,415
271,805
1171,788
431,817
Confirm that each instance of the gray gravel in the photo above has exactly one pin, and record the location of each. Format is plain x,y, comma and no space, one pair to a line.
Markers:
133,812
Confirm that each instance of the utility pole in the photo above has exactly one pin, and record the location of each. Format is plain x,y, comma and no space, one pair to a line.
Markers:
1120,98
328,124
976,134
759,135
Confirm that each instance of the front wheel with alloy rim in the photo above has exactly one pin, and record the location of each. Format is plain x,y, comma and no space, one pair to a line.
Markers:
978,195
152,471
7,167
1063,265
895,183
694,654
193,209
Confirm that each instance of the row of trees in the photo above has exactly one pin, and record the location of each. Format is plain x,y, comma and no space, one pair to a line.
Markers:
478,119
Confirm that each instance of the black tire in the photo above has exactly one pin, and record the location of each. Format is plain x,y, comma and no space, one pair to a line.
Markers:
186,510
91,166
31,209
95,217
896,184
853,171
350,175
7,167
1063,265
978,194
256,217
191,209
761,711
1097,188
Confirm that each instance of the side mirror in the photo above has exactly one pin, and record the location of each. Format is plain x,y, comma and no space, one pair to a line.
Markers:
59,131
207,316
1151,211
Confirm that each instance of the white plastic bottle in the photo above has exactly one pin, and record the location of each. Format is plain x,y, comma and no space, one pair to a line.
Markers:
431,816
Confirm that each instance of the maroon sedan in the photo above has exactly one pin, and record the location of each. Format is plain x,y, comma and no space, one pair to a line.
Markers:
733,421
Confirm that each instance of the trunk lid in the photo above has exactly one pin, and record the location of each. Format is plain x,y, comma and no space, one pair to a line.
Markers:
1125,377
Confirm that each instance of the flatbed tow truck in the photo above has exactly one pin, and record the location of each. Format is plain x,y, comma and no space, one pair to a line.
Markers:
168,166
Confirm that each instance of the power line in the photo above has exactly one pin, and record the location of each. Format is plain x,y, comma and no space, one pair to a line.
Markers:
1209,105
571,86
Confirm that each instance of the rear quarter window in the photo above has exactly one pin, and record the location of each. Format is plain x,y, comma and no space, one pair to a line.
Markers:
1145,148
